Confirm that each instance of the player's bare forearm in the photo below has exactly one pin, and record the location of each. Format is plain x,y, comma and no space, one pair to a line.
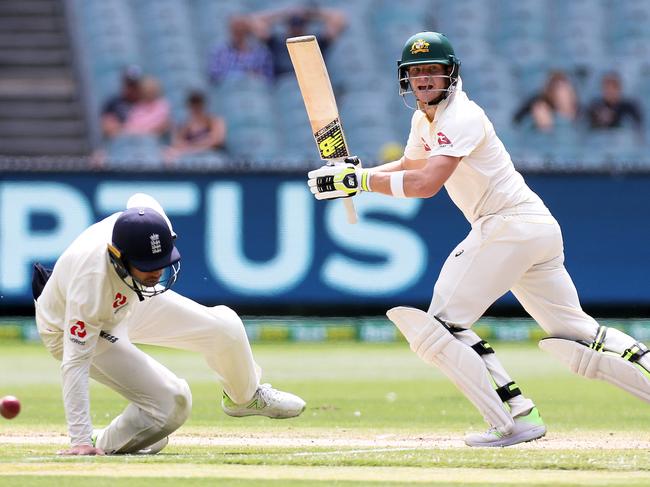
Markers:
389,166
423,182
400,165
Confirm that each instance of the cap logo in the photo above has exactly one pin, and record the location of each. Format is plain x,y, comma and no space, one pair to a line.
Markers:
156,247
420,45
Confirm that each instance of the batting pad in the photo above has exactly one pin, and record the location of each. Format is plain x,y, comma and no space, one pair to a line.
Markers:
434,344
606,366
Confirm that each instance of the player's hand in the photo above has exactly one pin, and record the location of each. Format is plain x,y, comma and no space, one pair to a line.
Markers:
82,450
338,181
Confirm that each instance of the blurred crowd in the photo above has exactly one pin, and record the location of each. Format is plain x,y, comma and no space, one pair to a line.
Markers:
557,105
254,51
140,110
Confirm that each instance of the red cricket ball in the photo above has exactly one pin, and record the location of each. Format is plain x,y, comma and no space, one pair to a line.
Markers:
9,407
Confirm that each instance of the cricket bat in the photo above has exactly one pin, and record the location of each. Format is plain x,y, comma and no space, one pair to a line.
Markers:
316,90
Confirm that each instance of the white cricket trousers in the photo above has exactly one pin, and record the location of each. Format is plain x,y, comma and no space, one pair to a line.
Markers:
160,402
520,253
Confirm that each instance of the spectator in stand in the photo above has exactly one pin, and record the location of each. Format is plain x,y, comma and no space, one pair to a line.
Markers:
201,133
611,110
117,109
295,21
240,56
557,102
151,114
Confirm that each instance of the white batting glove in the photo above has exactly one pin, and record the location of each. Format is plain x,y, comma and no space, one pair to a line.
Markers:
339,181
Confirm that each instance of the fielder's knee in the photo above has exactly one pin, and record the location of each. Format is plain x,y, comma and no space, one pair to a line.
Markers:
177,408
228,324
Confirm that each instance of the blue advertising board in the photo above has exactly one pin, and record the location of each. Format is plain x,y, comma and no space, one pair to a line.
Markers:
261,239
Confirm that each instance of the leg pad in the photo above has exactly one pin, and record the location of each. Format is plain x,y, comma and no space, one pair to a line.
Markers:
607,366
434,344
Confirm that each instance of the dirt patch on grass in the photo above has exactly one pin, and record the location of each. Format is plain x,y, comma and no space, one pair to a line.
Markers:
344,441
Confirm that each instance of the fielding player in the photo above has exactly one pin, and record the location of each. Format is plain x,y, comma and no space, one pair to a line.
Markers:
109,290
514,244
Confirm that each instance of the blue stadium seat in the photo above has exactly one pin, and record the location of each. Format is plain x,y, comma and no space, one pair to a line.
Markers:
210,23
134,152
208,159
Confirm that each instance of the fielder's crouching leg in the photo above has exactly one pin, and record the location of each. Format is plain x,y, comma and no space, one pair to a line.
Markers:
225,346
435,344
176,409
136,428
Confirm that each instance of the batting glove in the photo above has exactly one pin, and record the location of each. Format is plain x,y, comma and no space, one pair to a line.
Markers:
340,180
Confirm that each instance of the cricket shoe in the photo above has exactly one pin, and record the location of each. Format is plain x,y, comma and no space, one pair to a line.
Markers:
150,450
266,402
155,448
527,428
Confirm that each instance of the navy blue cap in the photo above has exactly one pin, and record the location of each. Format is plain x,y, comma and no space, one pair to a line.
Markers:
145,240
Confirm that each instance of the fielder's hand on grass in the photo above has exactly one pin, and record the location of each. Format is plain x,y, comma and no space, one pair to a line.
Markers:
82,450
339,181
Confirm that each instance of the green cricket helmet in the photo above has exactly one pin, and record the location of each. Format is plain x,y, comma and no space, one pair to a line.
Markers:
428,48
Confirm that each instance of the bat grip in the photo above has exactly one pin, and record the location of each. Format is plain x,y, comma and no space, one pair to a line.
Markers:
349,204
350,211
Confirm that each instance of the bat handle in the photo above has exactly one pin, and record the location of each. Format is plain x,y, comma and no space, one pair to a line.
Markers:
350,211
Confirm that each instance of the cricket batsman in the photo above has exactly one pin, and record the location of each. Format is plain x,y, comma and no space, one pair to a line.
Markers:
111,289
514,244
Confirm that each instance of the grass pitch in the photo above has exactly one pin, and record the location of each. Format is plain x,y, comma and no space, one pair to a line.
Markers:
376,415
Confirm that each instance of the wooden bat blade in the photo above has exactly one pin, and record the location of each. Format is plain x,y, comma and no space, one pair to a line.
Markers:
318,96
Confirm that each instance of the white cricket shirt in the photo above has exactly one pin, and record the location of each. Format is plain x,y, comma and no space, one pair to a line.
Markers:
83,297
485,181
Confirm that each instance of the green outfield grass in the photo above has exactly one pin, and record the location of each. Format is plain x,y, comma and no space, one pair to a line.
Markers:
376,415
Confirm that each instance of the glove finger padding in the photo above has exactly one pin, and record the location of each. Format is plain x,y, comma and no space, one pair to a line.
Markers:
331,182
328,195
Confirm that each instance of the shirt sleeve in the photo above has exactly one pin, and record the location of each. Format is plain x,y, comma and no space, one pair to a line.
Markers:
79,342
458,136
415,149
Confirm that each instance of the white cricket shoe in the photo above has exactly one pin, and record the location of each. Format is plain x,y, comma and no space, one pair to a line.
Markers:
266,402
155,448
527,428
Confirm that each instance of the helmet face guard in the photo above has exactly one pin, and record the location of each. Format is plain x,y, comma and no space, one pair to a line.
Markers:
427,48
406,83
166,281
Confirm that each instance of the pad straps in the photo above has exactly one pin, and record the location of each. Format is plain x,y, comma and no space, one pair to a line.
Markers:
635,352
506,391
483,348
597,344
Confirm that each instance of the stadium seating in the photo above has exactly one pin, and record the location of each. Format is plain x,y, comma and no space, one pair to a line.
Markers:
507,48
134,152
